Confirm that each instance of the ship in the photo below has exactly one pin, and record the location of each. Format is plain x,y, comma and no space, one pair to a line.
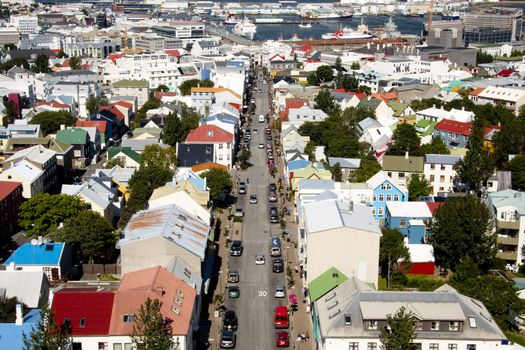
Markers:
305,25
451,16
326,14
231,20
245,28
389,30
350,34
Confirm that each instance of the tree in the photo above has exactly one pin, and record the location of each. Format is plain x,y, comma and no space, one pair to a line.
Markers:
42,214
185,87
41,64
352,115
463,228
152,103
338,67
436,146
368,168
392,249
325,102
75,63
517,168
94,103
219,182
482,57
365,89
478,164
244,158
325,74
355,66
509,140
50,122
91,234
48,335
156,156
419,105
310,150
189,121
347,82
19,62
172,130
399,332
11,112
151,330
343,144
312,79
114,162
405,139
8,309
418,186
162,88
337,174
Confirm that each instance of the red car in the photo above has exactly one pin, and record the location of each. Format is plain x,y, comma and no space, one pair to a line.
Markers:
283,339
280,317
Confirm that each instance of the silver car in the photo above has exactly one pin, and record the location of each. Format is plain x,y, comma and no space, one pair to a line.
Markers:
280,292
228,339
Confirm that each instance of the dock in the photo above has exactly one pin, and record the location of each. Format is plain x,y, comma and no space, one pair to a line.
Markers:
227,35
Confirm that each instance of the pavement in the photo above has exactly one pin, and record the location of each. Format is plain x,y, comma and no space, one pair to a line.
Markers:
254,307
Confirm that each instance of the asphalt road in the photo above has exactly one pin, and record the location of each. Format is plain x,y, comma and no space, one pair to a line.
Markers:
256,303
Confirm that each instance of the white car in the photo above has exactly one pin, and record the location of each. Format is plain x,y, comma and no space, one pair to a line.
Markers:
259,259
261,146
254,131
280,292
239,212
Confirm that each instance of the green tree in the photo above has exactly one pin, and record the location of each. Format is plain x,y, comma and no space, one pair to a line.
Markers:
75,63
94,103
352,115
91,234
418,186
43,213
368,168
152,103
365,89
436,146
478,164
325,74
325,102
48,335
11,112
151,330
482,57
392,249
162,88
419,105
337,173
172,130
185,87
50,122
19,62
400,331
312,79
189,121
310,150
113,162
509,140
405,139
8,309
338,66
219,182
347,82
517,168
343,144
156,156
244,158
463,228
355,66
41,64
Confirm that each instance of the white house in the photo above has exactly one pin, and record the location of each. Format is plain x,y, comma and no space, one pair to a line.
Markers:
205,48
203,98
512,98
31,177
221,141
298,116
439,171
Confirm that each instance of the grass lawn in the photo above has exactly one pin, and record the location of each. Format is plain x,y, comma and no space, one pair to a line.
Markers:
516,337
419,282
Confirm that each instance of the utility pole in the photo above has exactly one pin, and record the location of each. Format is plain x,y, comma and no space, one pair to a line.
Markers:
430,12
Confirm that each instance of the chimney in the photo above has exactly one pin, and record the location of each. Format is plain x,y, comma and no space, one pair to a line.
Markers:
19,318
62,126
462,108
434,105
406,155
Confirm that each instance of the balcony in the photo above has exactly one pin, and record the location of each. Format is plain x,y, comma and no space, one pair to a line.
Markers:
507,255
507,240
509,225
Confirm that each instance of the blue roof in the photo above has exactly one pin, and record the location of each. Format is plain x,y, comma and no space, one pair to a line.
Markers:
11,335
235,64
44,254
205,74
298,164
223,117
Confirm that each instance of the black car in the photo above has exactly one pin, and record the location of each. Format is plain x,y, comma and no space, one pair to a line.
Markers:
273,188
274,215
229,321
242,188
277,265
236,248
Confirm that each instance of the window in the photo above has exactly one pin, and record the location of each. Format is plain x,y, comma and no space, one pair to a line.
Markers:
117,346
442,178
453,326
221,146
128,346
381,198
371,346
452,346
433,346
472,322
432,166
442,167
402,223
383,186
388,197
401,175
434,326
127,319
372,326
419,326
82,322
102,346
380,211
471,346
396,198
208,150
374,211
388,186
353,346
431,178
375,198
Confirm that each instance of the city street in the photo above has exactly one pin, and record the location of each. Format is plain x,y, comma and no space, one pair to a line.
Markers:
257,284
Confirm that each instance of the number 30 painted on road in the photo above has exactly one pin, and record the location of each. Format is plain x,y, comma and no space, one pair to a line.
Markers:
262,293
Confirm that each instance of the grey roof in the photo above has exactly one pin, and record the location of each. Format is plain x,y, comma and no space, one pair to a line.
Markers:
24,285
368,123
351,163
68,73
307,184
333,214
190,154
355,299
94,190
172,223
442,159
511,198
139,145
208,43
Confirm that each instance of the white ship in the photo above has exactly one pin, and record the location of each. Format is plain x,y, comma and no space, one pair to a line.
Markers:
245,28
350,34
231,20
306,25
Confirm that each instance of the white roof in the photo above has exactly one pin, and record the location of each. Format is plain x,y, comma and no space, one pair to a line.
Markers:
38,154
421,252
502,93
25,285
25,170
380,178
409,209
443,311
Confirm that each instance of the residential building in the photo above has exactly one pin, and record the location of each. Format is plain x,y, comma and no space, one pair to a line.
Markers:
24,130
301,115
30,287
511,97
508,210
150,42
10,200
138,88
328,231
221,141
28,174
347,165
314,171
9,36
453,134
202,98
440,172
385,189
422,260
401,168
12,334
445,319
382,112
226,122
205,48
179,194
125,156
79,139
54,259
27,25
410,218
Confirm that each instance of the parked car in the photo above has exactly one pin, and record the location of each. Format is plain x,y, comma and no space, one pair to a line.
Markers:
282,340
280,317
233,292
242,187
236,248
229,321
274,215
261,146
255,131
273,187
228,340
280,292
269,138
253,199
259,259
272,197
239,212
233,277
277,265
275,251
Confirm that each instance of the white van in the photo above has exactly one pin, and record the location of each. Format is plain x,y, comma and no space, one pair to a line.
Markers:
261,118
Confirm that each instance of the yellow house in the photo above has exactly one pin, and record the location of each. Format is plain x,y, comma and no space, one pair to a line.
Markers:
310,173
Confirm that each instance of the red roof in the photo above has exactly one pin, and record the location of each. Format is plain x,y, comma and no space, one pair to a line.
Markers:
125,104
277,55
114,57
52,104
360,95
113,110
175,53
505,73
209,133
99,124
160,94
89,304
476,91
294,102
235,105
433,206
7,187
454,126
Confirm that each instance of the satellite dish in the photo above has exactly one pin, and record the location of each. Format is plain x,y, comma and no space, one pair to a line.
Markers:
34,242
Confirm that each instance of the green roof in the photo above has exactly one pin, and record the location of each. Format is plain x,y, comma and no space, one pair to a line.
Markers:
73,136
153,131
423,123
113,151
371,104
325,283
399,163
427,125
131,83
398,107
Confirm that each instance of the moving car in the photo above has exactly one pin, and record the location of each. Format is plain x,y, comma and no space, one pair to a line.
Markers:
282,340
229,321
261,118
242,188
280,292
274,215
236,248
239,212
233,277
261,145
277,265
253,199
233,292
259,259
254,131
228,339
280,317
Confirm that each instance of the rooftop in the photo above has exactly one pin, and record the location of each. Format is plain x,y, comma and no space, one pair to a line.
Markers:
40,254
325,283
403,163
131,84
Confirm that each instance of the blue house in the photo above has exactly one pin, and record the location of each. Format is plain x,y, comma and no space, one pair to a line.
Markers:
54,259
385,189
411,218
12,334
